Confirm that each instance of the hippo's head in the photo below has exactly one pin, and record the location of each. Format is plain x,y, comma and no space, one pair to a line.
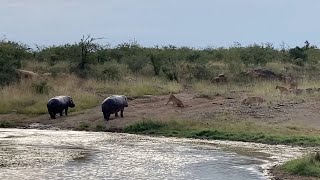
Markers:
71,104
125,101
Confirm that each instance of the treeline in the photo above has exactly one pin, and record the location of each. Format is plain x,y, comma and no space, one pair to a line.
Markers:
87,58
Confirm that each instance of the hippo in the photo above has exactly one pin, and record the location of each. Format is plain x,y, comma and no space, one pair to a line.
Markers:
114,104
58,104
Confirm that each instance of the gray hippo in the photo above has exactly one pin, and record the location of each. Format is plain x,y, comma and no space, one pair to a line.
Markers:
114,104
58,104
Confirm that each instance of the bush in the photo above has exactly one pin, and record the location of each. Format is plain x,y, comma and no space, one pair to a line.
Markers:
201,72
256,55
298,52
136,63
156,63
110,72
11,54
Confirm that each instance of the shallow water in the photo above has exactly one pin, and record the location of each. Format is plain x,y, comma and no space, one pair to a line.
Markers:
44,154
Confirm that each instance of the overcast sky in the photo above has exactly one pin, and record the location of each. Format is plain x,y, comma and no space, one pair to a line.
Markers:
194,23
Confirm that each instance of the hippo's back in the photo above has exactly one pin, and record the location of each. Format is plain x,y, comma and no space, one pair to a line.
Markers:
113,103
57,102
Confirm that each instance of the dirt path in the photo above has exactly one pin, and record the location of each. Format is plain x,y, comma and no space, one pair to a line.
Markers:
301,114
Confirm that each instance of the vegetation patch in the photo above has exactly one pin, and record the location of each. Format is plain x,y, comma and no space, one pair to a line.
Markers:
305,166
236,132
6,124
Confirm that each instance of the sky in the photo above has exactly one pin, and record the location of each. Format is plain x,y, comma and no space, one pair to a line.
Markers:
192,23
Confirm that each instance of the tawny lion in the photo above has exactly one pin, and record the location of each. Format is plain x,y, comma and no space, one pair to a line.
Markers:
175,100
293,85
282,90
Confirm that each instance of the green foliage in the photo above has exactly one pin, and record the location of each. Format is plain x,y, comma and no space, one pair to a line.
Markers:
156,63
298,52
110,71
298,55
136,63
11,54
201,72
257,55
306,166
6,124
145,125
173,63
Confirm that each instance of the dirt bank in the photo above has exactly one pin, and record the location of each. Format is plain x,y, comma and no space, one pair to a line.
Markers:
293,113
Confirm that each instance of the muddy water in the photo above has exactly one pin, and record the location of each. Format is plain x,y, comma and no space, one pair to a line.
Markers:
44,154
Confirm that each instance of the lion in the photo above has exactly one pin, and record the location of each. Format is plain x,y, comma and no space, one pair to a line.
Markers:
252,100
175,100
282,89
293,85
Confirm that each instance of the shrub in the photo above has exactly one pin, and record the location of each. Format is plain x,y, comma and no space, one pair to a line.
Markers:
11,54
110,72
298,52
136,63
156,63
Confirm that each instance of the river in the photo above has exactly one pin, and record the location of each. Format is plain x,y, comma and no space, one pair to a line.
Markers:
47,154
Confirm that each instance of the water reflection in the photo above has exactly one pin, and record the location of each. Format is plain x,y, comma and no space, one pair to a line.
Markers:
41,154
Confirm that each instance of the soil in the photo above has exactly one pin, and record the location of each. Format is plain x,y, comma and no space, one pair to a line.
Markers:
197,107
294,114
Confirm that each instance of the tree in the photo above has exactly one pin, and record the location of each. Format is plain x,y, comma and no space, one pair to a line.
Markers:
11,53
87,47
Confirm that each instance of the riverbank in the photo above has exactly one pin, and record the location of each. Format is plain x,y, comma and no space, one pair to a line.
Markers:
211,117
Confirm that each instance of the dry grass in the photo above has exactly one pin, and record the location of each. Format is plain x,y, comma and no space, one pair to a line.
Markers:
23,98
264,89
134,87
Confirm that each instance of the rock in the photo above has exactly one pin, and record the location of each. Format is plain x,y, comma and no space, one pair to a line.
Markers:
263,73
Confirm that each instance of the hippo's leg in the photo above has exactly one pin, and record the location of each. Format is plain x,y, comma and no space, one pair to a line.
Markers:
121,113
61,113
116,114
66,111
52,115
106,116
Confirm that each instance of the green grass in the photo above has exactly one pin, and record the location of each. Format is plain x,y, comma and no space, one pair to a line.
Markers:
306,166
247,132
6,124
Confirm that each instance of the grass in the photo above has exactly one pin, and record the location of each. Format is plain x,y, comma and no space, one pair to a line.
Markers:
23,98
305,166
236,131
264,89
134,86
